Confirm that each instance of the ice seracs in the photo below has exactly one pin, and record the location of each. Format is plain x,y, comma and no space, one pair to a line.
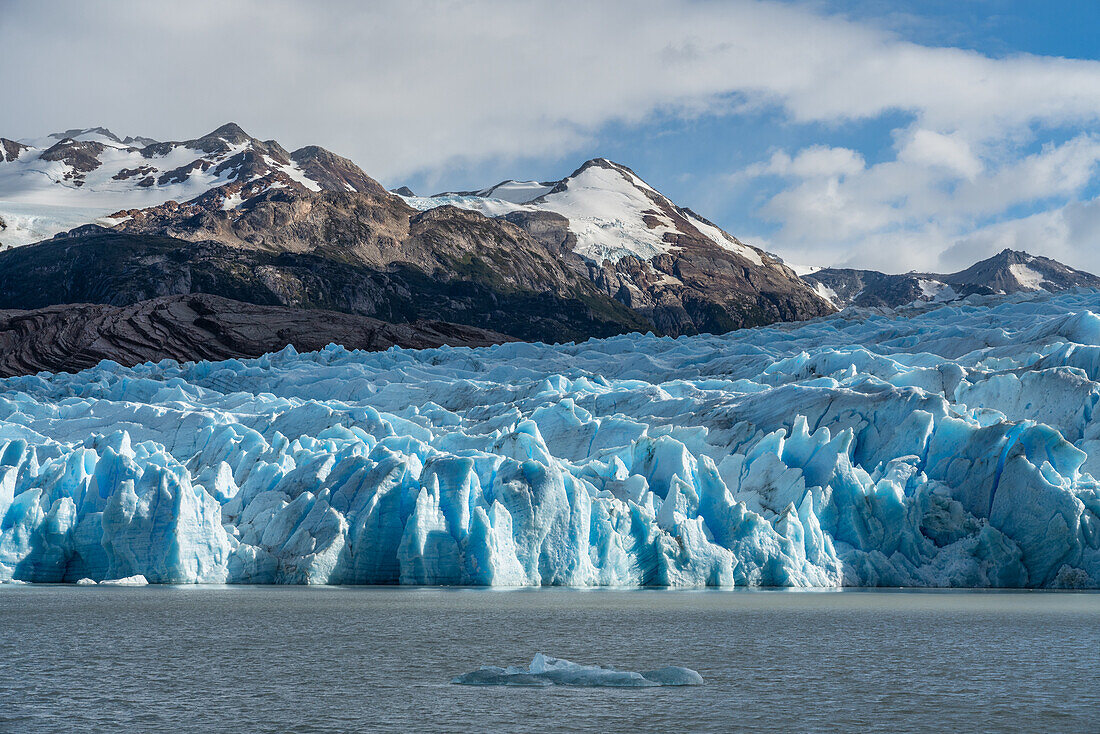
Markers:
951,446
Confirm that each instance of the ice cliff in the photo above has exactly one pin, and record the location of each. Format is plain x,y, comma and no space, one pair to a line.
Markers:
952,446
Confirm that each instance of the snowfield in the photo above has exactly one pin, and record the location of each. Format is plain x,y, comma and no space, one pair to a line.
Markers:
952,445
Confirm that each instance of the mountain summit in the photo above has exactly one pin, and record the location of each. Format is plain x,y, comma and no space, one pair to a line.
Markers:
1009,271
52,184
663,260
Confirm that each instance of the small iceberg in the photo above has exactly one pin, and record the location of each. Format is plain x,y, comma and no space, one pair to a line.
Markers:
136,580
548,671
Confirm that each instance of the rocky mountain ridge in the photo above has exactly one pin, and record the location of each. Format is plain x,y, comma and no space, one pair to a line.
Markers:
679,273
81,176
98,265
1009,271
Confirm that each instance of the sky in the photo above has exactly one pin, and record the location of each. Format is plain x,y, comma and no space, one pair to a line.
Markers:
910,134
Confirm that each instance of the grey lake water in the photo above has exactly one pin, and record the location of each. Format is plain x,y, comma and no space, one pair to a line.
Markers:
267,659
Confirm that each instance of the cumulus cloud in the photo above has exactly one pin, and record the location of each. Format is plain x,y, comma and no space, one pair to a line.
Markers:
936,150
935,200
405,85
816,161
1069,233
410,88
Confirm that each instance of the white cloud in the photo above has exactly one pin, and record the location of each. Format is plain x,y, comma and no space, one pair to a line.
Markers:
417,87
935,194
936,150
817,161
403,86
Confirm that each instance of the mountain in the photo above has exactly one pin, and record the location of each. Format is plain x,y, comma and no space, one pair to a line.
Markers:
597,253
1009,271
67,179
72,337
664,261
600,234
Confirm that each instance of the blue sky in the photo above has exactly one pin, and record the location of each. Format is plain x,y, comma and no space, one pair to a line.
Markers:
895,135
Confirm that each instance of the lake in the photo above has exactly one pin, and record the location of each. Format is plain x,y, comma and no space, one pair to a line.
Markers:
309,659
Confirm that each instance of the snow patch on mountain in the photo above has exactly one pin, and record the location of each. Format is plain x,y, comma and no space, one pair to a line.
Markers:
611,216
1029,279
722,239
27,223
488,207
934,290
825,292
296,174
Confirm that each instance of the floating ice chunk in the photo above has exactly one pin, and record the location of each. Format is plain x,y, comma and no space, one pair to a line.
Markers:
136,580
86,582
549,671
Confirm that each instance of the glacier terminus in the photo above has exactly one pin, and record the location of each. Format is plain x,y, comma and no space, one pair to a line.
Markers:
946,445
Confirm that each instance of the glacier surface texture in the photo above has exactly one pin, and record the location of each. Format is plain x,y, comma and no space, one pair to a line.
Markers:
951,446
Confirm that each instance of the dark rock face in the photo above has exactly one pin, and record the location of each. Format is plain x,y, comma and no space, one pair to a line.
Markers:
404,191
140,171
95,265
69,338
333,172
10,150
1009,271
868,288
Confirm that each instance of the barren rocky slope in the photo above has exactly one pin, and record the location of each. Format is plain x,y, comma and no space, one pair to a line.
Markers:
72,337
517,297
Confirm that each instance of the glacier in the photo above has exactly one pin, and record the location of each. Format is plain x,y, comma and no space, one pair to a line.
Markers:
946,445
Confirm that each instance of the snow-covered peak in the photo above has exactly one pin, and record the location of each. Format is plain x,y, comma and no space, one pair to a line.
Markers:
1009,271
66,179
611,211
90,135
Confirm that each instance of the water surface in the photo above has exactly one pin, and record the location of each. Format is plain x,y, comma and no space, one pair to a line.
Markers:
273,659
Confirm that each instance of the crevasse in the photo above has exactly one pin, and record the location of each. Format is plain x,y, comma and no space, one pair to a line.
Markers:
942,446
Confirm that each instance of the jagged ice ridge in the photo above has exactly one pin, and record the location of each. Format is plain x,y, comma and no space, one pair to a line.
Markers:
945,446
